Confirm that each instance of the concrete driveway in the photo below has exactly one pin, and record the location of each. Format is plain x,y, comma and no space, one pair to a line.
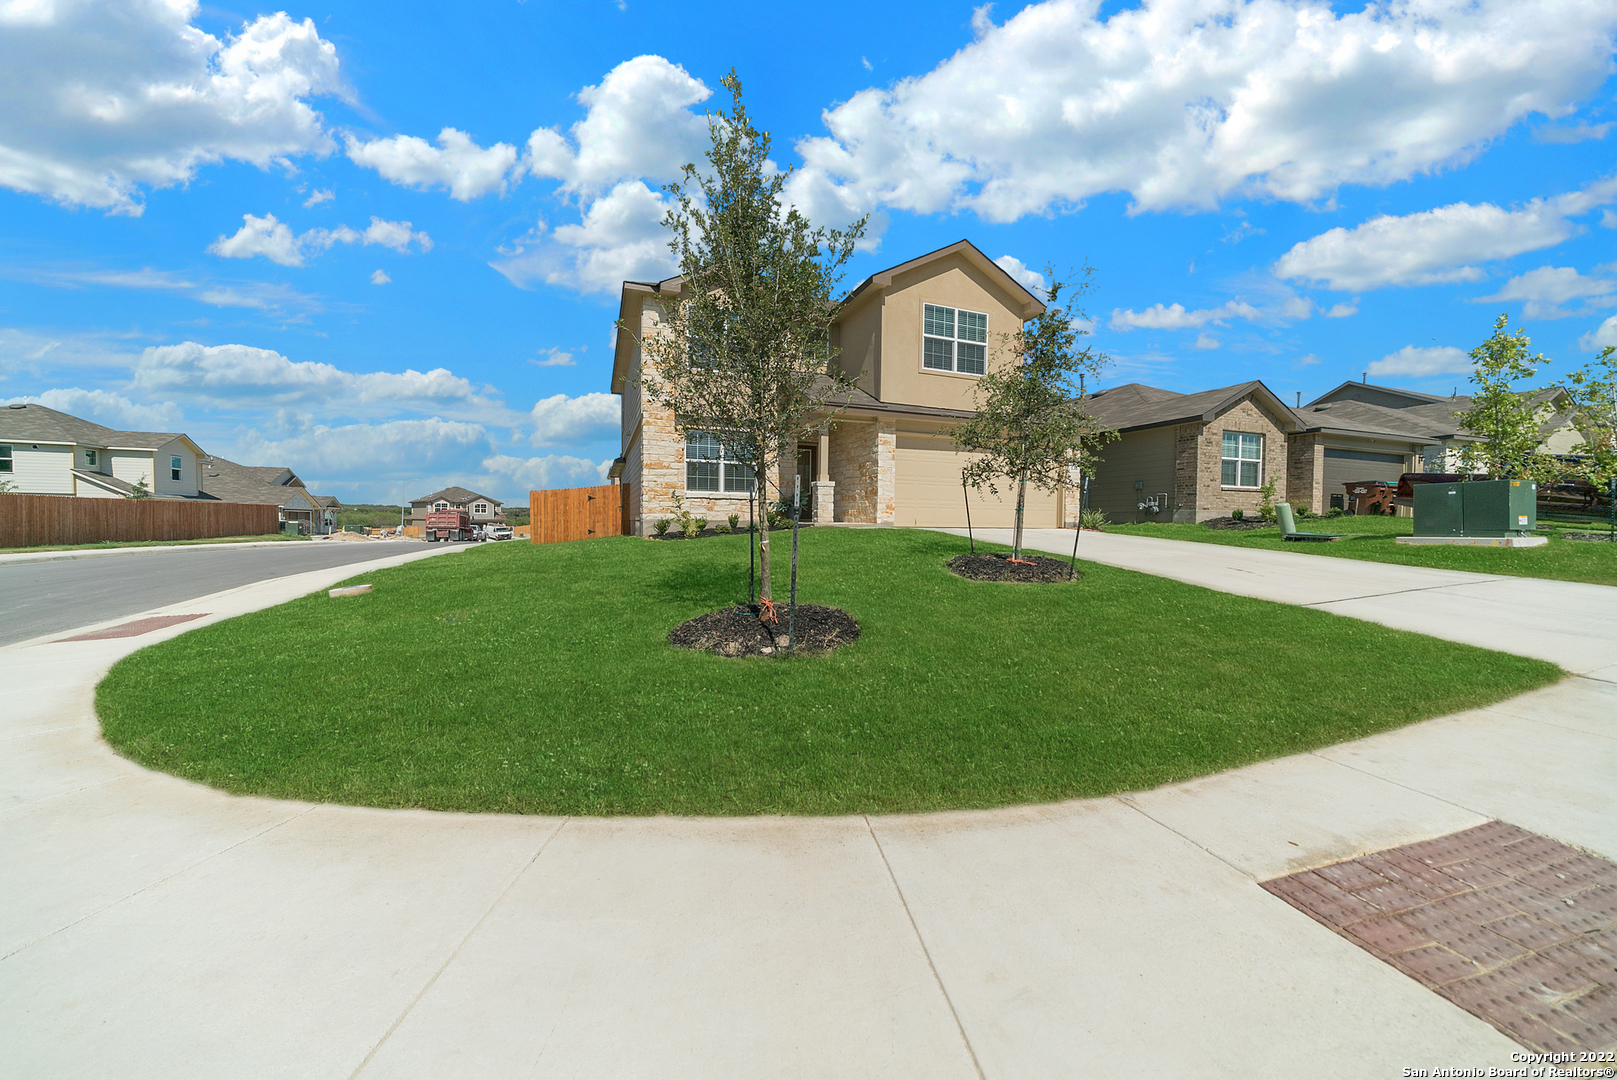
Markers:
152,927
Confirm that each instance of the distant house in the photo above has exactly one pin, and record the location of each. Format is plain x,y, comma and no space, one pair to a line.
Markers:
45,452
483,509
274,484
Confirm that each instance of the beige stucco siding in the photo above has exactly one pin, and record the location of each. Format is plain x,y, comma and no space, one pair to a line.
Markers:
858,334
1145,457
953,282
42,469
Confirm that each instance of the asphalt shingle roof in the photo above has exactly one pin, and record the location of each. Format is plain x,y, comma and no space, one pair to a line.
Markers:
36,423
455,495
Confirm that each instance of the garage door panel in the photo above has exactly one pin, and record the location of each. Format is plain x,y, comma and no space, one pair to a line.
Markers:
928,493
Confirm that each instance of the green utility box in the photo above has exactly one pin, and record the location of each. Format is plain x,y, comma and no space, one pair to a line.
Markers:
1477,508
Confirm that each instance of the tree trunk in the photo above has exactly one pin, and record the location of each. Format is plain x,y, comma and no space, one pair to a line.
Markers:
1021,504
762,484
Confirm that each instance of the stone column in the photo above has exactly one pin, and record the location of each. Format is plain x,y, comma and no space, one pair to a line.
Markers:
824,489
886,472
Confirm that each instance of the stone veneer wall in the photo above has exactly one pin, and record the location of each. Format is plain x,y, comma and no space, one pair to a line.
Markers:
1186,445
1212,498
1305,471
863,466
661,471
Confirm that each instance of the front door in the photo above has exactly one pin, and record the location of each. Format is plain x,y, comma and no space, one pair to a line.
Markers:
806,463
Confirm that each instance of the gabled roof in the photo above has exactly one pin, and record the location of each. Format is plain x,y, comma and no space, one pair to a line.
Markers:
328,502
37,424
1433,422
1030,305
229,482
455,496
1135,406
1385,396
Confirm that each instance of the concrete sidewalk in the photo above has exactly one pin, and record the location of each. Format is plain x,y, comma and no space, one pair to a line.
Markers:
152,927
1565,622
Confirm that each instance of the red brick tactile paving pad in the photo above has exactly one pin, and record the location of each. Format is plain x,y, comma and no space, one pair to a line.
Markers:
1511,926
136,628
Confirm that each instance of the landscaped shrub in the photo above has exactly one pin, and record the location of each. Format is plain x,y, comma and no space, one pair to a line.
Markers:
660,526
692,526
735,522
1237,514
1266,504
724,527
1092,519
1334,512
1301,511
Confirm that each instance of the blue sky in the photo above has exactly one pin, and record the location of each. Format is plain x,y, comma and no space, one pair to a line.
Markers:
380,244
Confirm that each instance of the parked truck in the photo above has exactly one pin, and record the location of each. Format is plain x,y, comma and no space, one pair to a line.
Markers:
449,525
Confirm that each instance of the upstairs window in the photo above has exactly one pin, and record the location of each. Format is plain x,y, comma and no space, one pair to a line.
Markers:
711,466
480,509
439,507
1243,460
954,339
5,458
90,459
174,467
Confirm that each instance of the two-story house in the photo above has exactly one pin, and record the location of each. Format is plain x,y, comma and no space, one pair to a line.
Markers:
45,452
917,338
483,509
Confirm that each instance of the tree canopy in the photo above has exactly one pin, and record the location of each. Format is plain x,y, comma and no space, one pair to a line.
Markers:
1031,426
743,352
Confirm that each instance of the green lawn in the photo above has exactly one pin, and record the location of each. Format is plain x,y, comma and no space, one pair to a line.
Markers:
1372,538
151,543
537,679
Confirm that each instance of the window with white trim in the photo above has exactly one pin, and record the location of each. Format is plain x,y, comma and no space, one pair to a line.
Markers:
480,509
439,507
1243,460
954,339
711,466
5,458
90,459
174,467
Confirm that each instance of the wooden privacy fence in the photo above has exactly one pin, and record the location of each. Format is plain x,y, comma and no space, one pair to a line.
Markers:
38,520
578,513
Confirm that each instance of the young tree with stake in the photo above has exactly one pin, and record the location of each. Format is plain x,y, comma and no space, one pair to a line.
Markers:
1031,427
743,353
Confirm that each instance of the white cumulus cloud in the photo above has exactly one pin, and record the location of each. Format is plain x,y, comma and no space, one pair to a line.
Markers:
561,419
400,451
1543,291
1176,317
1441,245
108,409
243,373
1603,335
541,473
1416,362
274,240
100,98
1031,280
379,277
456,163
620,239
1181,103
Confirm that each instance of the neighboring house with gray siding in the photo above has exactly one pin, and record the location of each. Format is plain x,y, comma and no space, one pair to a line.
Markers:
273,484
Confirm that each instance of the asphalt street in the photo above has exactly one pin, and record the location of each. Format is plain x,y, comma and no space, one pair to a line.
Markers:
39,598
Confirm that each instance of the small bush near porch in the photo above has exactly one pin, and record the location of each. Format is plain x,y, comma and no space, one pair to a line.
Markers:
539,679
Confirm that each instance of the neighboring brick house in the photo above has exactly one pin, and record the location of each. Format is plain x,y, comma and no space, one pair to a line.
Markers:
1191,457
916,337
483,509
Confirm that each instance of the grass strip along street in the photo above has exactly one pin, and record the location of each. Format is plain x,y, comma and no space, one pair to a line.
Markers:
539,679
1372,538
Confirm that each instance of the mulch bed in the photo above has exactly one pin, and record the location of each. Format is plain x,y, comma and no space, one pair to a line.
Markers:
1244,523
739,631
673,533
1035,570
1586,536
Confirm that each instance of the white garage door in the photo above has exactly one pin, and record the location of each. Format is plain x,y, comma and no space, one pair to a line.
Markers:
927,491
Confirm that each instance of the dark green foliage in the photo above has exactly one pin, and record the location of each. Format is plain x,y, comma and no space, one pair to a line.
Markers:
538,679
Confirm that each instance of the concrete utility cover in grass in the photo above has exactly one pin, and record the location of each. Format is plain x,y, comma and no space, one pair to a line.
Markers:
136,628
1513,927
